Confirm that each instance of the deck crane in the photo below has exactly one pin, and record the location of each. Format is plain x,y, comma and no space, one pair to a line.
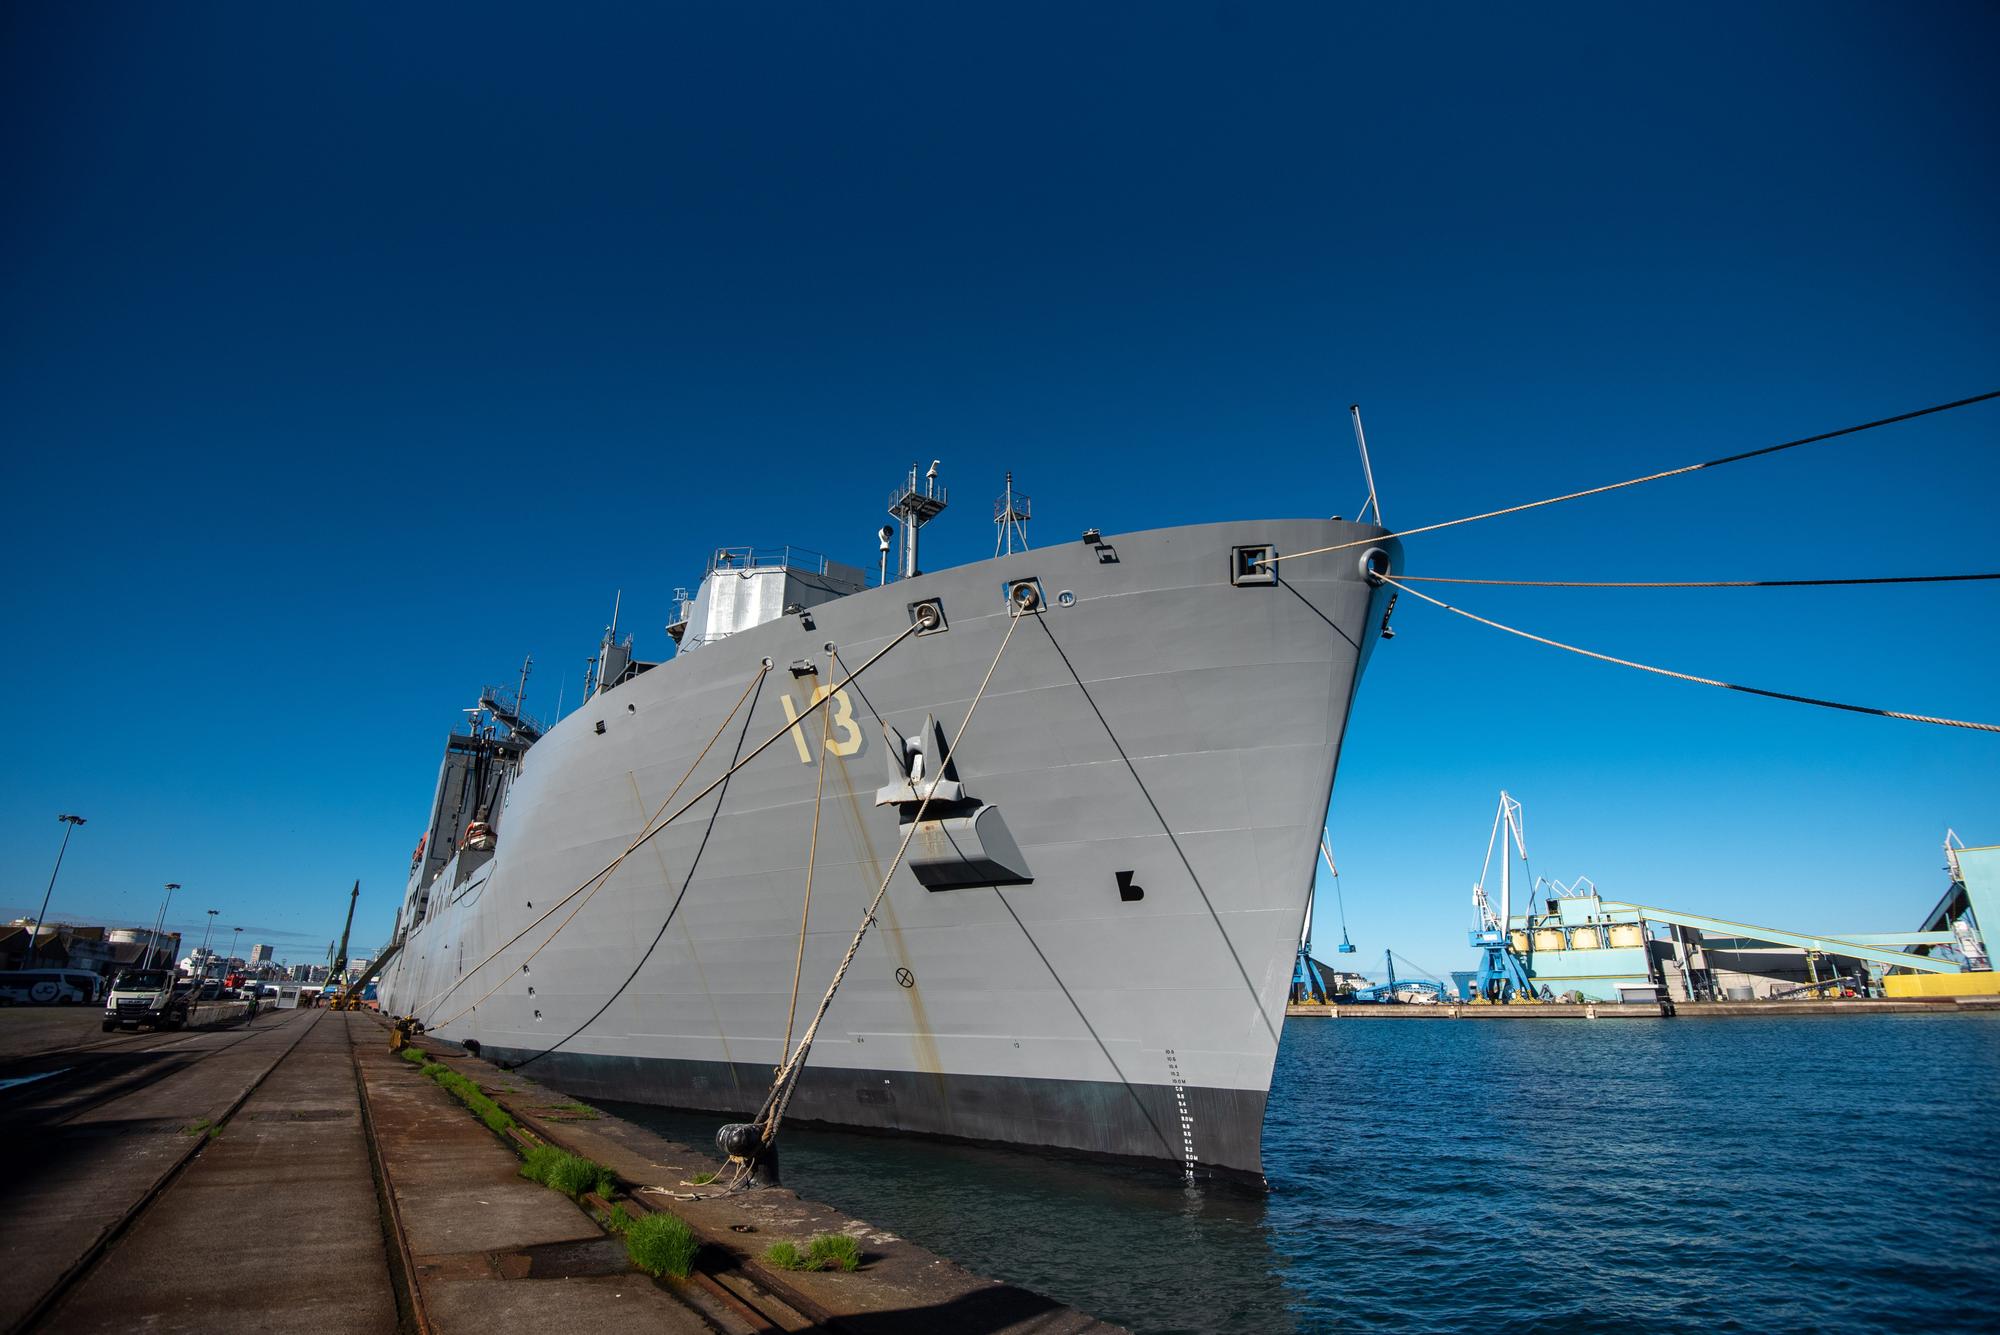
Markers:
1501,976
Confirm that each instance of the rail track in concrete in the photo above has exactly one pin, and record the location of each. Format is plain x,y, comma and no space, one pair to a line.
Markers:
107,1135
292,1171
281,1171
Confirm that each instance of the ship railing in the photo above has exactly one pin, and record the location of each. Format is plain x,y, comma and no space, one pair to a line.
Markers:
931,492
769,558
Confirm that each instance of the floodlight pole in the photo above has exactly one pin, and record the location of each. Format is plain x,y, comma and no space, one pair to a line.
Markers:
204,942
34,935
159,922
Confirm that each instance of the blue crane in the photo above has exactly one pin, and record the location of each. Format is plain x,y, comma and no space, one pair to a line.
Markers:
1308,975
1501,976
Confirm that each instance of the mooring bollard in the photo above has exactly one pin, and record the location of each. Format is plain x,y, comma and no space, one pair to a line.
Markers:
745,1141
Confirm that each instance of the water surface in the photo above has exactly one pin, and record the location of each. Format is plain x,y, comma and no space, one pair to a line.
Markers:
1657,1175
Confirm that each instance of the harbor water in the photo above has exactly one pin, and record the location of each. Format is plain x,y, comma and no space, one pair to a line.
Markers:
1659,1175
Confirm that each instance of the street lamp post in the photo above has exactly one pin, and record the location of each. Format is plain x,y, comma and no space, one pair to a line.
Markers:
34,937
159,922
204,942
232,943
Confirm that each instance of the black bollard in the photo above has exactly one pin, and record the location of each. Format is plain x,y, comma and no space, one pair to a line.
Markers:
745,1140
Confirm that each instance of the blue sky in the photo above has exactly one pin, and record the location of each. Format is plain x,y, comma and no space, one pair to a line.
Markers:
347,356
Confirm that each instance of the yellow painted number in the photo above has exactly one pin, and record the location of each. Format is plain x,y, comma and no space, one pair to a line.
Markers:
843,734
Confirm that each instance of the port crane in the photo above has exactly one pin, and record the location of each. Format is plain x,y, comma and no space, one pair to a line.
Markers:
1501,976
1309,983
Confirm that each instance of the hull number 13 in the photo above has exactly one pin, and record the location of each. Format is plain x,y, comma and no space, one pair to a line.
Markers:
843,734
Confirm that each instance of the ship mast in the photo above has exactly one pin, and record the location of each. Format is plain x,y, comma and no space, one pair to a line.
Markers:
912,509
1010,516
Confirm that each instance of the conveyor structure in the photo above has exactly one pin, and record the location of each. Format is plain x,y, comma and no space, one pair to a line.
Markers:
1575,944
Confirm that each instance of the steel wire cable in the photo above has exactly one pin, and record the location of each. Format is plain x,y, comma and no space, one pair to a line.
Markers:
1063,987
1167,828
1650,477
694,864
723,778
595,883
772,1113
1685,676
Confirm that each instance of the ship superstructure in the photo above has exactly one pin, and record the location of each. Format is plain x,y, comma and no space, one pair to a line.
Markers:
1088,942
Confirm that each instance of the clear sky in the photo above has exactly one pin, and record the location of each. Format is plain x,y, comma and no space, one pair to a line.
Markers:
348,354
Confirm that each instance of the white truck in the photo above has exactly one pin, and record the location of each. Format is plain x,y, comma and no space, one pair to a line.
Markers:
149,998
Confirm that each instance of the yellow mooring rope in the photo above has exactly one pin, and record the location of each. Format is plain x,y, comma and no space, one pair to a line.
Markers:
780,1097
595,883
805,909
685,807
786,1080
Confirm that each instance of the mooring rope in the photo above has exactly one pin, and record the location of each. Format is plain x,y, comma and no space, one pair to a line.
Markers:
1695,583
1684,676
805,909
694,865
715,783
595,883
1650,477
772,1114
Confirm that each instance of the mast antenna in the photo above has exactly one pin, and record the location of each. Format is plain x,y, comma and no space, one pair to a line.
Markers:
913,509
1010,516
1367,469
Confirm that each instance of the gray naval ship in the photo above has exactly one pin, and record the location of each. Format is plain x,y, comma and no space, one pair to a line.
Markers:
1088,945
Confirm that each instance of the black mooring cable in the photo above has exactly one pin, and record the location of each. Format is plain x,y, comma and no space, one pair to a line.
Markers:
721,794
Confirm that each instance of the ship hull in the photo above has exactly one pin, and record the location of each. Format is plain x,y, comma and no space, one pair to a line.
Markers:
1092,1118
1160,747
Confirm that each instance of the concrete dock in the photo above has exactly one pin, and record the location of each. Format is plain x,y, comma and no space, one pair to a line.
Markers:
287,1171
